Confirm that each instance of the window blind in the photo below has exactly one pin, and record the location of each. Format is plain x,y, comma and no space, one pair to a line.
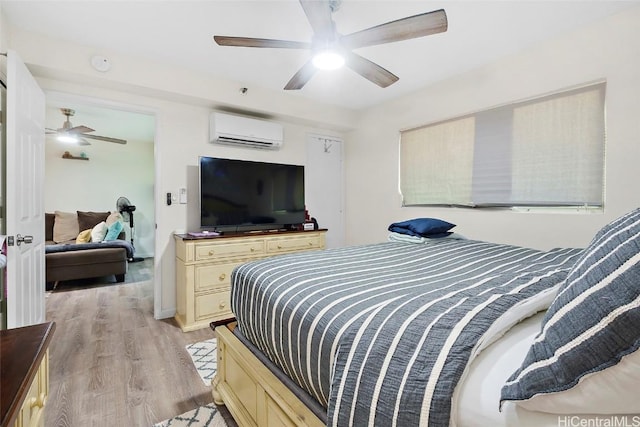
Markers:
543,152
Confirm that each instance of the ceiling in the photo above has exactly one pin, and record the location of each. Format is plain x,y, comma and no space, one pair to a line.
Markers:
180,32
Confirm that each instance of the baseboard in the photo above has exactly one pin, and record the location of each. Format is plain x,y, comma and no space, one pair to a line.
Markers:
166,314
143,255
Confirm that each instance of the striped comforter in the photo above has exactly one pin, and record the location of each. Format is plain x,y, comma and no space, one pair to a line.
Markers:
380,334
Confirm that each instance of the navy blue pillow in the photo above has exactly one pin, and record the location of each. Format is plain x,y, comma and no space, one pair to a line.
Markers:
422,227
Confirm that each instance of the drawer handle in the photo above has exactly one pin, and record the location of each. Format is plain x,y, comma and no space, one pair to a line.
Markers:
310,244
37,402
222,277
279,247
223,304
253,249
211,252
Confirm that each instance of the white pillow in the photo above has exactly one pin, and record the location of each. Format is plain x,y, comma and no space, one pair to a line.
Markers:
585,359
612,391
99,231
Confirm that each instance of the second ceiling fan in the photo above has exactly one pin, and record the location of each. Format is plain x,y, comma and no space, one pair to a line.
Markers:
328,44
77,134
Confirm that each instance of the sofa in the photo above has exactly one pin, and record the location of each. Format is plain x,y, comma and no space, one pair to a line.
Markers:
72,249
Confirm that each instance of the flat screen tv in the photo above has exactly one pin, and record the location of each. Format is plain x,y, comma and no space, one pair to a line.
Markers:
241,195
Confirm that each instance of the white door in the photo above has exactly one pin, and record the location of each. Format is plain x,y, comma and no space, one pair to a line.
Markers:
25,201
323,186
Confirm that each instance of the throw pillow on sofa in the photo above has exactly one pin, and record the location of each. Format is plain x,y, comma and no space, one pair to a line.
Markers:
65,226
113,231
84,236
99,231
113,217
88,220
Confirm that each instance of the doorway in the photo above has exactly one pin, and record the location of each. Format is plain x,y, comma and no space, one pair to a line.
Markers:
109,172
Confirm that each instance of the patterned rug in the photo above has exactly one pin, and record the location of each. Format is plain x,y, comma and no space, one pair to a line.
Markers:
204,416
204,356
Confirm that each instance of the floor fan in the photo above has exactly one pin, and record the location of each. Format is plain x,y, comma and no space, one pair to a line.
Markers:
126,209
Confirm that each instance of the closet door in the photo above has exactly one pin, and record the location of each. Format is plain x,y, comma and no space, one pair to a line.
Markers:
324,183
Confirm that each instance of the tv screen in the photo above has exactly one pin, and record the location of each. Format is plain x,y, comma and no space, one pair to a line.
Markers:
247,195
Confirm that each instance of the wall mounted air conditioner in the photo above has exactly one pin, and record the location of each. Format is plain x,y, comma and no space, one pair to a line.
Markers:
235,130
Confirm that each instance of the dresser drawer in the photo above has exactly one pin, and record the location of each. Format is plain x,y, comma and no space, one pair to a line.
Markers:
218,250
31,413
215,304
212,276
294,244
204,267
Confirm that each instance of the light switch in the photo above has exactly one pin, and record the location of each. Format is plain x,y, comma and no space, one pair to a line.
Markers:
183,195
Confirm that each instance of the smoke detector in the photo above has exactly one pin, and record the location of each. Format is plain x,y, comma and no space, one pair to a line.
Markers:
100,63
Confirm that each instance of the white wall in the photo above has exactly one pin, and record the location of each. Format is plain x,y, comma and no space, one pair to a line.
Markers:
606,50
181,101
113,170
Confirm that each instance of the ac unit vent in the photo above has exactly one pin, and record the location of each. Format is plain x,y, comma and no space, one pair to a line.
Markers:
242,131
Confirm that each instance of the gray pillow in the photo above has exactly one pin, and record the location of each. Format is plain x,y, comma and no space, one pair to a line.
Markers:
594,320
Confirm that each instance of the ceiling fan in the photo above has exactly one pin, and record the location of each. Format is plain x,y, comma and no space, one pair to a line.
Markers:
335,49
77,134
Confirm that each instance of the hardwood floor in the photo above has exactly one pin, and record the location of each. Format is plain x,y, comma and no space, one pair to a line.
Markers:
112,363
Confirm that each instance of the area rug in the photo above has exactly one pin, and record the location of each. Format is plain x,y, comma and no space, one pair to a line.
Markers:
205,358
204,416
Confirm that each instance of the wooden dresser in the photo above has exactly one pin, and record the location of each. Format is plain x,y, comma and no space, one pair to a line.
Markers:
24,368
204,265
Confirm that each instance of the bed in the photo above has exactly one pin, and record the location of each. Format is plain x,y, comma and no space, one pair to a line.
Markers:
399,333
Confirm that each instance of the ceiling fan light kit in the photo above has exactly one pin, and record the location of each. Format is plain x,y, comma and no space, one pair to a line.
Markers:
68,139
328,60
71,134
331,50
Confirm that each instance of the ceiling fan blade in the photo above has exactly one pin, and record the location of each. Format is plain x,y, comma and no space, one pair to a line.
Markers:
403,29
301,78
83,141
319,16
370,70
105,138
78,129
253,42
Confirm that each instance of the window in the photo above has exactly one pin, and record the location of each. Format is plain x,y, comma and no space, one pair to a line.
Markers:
543,152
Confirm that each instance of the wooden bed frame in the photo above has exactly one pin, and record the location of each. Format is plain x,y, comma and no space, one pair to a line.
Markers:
251,392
